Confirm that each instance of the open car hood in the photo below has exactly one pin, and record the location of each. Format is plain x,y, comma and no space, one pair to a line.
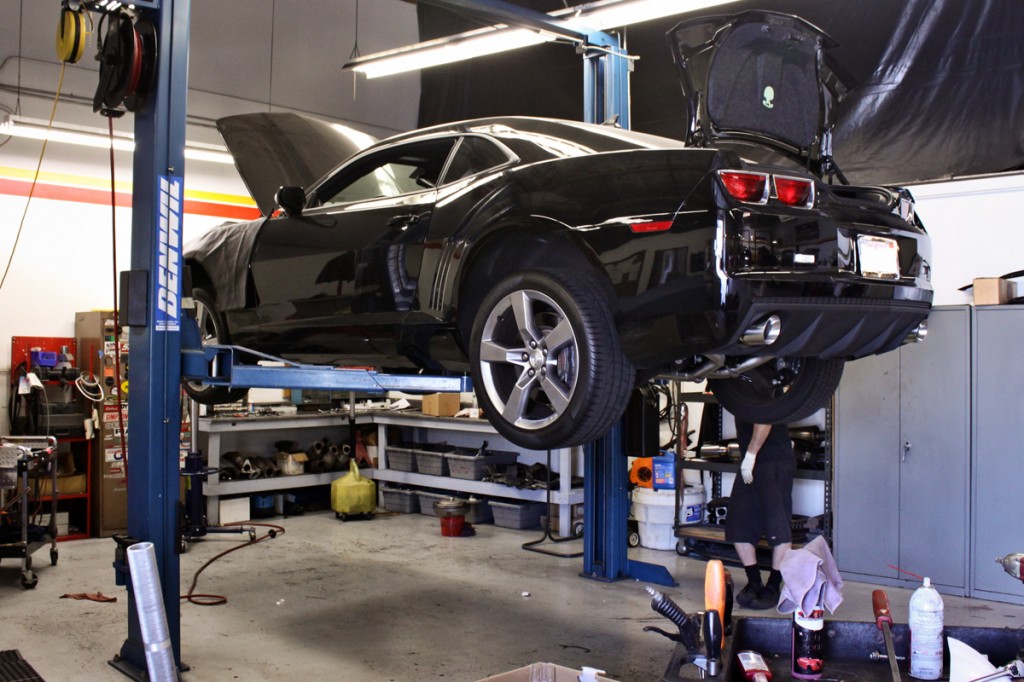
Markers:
272,150
758,79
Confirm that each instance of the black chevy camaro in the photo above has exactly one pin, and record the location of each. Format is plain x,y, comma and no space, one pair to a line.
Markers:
561,262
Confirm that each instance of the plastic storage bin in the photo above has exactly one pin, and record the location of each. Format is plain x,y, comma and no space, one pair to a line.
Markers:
471,465
401,500
479,511
427,498
431,460
401,458
518,515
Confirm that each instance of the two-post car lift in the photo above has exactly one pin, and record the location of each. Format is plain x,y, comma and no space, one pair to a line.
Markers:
152,309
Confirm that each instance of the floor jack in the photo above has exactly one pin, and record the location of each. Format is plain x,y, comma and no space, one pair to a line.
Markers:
701,635
193,517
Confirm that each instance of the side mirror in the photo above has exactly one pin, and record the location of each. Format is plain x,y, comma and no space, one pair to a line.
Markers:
291,200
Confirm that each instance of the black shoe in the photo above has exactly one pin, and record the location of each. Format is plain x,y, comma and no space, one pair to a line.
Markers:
747,595
766,599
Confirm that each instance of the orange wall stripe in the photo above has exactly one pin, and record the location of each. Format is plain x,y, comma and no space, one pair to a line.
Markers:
86,195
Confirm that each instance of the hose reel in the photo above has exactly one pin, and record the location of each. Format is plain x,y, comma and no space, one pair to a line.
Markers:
127,56
71,34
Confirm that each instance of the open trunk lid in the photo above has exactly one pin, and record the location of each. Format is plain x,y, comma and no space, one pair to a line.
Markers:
758,79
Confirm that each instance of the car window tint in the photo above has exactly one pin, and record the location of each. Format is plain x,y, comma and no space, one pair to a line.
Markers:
388,173
473,155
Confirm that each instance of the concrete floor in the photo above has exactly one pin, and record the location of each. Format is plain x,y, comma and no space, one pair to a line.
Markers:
386,599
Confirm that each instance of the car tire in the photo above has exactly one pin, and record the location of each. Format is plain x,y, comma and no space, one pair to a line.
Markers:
547,362
212,330
771,394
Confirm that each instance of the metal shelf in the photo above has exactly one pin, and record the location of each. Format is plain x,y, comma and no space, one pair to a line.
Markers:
217,428
734,467
475,487
262,485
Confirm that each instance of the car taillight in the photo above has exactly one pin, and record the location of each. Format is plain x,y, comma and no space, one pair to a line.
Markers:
650,226
794,191
757,188
748,187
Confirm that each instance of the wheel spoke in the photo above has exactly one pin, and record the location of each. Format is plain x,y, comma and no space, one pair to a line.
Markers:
518,399
522,308
491,351
561,335
556,392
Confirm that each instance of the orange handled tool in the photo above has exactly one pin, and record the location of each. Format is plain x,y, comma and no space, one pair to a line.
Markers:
883,619
714,592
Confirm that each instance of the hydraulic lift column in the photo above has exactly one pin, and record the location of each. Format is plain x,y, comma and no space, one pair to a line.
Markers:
153,312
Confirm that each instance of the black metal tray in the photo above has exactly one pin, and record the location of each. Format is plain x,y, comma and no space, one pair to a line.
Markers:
848,646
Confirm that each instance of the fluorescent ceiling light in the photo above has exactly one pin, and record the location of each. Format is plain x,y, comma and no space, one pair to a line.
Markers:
606,16
591,16
458,48
16,126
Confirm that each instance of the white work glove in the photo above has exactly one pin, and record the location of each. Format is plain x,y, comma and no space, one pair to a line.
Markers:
747,467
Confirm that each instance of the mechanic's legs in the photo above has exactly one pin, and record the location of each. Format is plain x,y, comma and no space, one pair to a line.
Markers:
758,595
754,588
775,577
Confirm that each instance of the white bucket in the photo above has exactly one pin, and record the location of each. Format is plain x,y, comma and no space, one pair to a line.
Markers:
654,511
692,510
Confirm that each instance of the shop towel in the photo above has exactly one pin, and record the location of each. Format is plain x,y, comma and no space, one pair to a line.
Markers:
810,577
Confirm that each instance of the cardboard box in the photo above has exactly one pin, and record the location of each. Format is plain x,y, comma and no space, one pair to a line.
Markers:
441,404
67,485
542,672
993,291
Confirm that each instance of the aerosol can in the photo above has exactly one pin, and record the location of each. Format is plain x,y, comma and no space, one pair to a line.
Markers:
1013,564
926,614
808,643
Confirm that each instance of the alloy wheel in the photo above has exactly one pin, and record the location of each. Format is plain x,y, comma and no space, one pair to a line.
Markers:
529,359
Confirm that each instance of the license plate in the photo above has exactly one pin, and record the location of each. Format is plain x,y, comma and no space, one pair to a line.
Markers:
879,257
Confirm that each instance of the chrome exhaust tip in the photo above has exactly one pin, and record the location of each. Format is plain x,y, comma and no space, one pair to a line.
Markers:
918,333
763,333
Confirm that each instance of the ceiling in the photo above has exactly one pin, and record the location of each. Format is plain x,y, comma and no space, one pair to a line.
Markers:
938,84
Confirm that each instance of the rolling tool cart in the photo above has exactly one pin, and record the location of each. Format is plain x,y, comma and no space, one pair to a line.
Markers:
20,456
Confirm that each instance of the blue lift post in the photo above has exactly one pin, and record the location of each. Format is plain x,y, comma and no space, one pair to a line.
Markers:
154,417
606,505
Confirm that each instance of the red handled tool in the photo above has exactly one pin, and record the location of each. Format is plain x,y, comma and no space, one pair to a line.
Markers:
883,619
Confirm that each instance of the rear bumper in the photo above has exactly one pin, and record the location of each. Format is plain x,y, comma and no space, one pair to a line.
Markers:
847,328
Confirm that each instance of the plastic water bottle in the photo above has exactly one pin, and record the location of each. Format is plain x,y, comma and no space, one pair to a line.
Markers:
926,633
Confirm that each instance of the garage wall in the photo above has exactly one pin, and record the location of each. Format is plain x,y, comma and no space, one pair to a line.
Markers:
259,55
245,56
976,226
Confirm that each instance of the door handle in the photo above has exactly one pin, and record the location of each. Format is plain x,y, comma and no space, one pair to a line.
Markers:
407,219
906,450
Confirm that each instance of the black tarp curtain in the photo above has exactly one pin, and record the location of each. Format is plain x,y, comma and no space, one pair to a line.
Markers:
938,85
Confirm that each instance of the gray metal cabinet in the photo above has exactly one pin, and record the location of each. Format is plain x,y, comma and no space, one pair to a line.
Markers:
998,450
902,459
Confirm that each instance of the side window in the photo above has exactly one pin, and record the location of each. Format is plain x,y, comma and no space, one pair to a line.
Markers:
389,173
473,155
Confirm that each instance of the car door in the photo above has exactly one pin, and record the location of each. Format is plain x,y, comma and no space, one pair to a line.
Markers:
338,278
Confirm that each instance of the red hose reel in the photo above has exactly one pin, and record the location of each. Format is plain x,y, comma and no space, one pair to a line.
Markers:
127,56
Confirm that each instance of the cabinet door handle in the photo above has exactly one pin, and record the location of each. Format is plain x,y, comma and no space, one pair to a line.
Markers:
906,450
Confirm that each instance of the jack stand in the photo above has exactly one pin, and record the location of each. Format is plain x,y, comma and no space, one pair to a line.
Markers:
193,520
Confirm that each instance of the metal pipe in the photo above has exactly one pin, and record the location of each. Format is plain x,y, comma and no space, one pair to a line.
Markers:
763,333
149,605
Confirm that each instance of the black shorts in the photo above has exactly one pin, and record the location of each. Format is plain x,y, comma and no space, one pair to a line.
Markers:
764,508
